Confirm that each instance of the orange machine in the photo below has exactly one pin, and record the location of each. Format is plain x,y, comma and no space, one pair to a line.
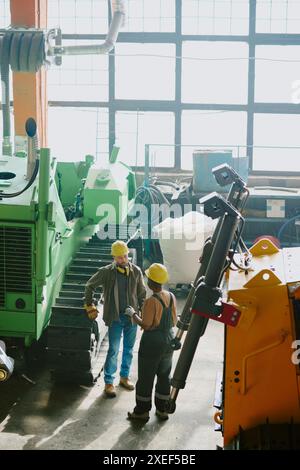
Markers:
261,382
256,295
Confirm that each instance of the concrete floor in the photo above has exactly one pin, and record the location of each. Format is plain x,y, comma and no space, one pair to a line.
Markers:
50,416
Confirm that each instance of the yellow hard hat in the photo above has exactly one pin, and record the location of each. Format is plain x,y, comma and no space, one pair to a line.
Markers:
157,273
119,248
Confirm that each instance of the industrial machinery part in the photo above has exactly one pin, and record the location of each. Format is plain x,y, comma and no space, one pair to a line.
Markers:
44,257
238,194
258,392
6,363
150,196
206,300
73,341
45,222
33,145
287,224
205,160
261,380
32,160
22,50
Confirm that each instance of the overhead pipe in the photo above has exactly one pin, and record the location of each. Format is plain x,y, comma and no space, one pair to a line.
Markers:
5,42
106,46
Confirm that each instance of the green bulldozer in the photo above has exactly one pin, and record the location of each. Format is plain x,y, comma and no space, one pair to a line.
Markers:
57,222
51,242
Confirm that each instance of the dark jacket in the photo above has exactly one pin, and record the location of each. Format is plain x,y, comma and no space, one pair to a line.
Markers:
106,277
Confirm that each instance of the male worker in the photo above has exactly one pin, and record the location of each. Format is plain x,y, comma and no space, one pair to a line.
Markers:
155,352
123,286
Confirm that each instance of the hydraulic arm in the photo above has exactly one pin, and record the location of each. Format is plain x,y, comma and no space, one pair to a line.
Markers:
237,196
205,298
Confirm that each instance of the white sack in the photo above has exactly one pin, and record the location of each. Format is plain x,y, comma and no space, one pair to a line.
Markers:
181,241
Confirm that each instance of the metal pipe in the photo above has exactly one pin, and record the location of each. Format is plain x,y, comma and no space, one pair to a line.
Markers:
5,42
185,317
106,46
32,146
42,222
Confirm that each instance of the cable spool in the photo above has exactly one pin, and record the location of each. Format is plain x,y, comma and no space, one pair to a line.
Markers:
25,50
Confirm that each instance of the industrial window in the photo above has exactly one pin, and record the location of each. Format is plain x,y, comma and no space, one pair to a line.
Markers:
215,17
212,129
79,78
145,71
150,16
214,72
85,132
277,16
78,16
277,73
135,129
276,130
4,13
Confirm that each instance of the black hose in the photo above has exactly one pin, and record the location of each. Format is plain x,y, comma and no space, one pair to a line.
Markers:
285,225
30,182
148,196
168,183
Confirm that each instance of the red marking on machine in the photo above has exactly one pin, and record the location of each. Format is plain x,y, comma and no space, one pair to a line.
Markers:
229,315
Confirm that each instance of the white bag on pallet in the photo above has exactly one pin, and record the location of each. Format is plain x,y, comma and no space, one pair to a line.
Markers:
181,241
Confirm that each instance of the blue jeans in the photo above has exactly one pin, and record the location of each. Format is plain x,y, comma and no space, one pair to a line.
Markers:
115,331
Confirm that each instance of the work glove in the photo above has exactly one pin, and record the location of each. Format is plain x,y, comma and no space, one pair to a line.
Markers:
129,311
91,311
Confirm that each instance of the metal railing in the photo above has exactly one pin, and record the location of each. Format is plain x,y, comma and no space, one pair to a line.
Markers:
154,153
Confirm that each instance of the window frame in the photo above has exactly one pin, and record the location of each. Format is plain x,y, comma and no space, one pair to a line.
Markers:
176,106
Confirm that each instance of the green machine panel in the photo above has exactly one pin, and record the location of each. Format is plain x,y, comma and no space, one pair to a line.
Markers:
111,187
16,261
17,287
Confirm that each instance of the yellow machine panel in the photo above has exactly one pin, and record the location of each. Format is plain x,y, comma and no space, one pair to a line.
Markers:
261,382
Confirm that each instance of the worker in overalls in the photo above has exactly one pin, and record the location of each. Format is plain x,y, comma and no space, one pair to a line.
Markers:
155,351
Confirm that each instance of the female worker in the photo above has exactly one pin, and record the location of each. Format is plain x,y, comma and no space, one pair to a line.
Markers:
155,351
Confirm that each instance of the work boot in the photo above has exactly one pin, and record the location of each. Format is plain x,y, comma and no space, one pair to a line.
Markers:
110,391
162,415
138,416
125,382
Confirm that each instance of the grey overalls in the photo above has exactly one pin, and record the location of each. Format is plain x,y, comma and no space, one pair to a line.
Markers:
155,359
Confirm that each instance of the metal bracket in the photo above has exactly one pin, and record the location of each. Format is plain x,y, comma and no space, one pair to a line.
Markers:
229,315
225,175
264,247
265,278
216,206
